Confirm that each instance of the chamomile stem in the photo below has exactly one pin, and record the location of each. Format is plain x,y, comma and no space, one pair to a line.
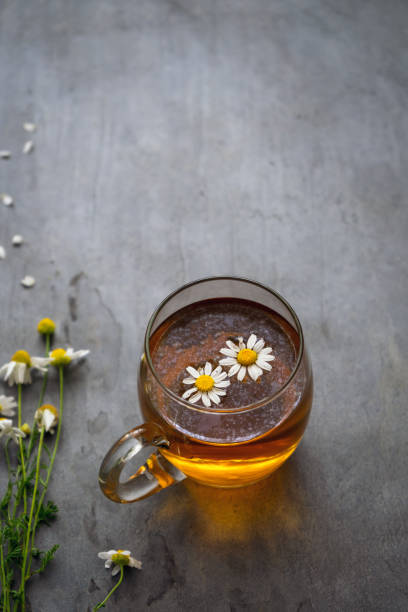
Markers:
41,399
5,595
102,603
27,540
20,442
54,452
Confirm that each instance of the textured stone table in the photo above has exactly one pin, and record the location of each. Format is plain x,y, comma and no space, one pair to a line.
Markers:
184,138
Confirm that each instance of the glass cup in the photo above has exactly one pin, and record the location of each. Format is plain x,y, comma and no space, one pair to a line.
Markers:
214,446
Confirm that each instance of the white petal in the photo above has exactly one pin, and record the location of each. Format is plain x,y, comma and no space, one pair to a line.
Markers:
127,553
266,350
104,555
205,399
108,563
251,341
135,563
189,380
228,352
232,346
214,397
216,371
28,147
263,364
28,281
17,240
220,377
241,373
207,368
189,392
5,154
49,419
116,570
241,343
193,372
222,384
20,371
6,199
266,357
29,127
77,354
219,391
234,369
195,398
254,371
259,345
2,252
40,361
228,361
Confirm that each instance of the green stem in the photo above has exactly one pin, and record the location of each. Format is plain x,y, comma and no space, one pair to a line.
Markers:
27,540
20,442
54,452
102,603
41,399
3,578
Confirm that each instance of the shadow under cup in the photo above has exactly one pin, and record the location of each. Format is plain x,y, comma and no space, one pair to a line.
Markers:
216,446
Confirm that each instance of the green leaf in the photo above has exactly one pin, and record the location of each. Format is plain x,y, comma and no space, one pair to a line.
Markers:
47,513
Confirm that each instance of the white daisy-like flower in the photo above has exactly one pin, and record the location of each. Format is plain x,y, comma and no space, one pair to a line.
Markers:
117,558
46,416
17,371
251,356
7,429
208,384
7,405
62,357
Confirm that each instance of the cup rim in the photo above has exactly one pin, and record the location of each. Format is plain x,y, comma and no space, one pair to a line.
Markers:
218,410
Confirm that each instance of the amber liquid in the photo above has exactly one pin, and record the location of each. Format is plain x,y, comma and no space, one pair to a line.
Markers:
235,448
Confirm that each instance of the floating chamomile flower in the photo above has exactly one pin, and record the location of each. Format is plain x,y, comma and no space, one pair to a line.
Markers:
7,405
61,357
209,384
17,370
46,326
7,429
118,558
251,356
46,416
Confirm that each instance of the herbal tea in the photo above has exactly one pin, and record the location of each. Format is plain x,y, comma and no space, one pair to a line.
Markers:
227,358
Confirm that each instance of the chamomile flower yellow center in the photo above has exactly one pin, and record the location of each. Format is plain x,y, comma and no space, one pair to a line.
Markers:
46,326
26,428
204,383
49,407
59,357
22,357
120,559
247,357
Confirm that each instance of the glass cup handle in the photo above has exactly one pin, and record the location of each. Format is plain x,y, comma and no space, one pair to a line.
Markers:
152,475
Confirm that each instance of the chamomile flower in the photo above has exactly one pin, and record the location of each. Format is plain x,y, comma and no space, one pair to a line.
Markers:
46,326
208,384
7,405
7,429
117,558
62,357
46,416
17,371
253,357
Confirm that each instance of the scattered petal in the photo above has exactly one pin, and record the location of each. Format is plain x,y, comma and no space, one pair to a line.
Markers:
6,199
28,147
5,154
17,240
28,281
2,252
29,127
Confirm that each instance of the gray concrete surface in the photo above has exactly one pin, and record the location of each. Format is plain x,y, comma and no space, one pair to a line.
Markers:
184,138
